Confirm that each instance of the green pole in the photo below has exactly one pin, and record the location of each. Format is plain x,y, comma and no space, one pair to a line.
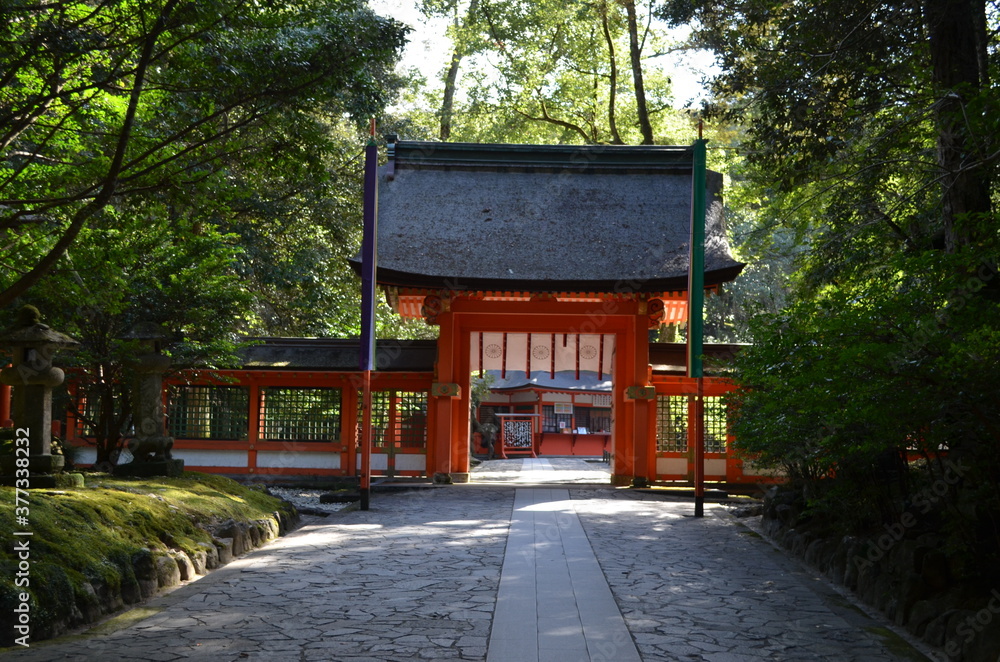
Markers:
696,304
696,275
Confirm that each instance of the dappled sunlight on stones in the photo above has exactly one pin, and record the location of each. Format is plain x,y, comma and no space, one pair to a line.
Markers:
418,577
540,471
698,592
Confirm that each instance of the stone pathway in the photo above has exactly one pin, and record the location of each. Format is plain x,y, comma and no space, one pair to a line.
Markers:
554,603
453,573
538,471
710,590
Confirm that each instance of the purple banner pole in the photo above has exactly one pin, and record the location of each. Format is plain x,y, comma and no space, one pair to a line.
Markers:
369,258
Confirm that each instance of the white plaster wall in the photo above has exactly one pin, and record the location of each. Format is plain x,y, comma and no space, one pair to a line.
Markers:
298,460
380,462
194,457
410,462
715,467
671,465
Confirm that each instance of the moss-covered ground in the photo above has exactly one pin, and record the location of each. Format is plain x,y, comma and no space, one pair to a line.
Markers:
90,535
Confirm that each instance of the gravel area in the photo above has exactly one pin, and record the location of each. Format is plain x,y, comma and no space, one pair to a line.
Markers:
306,500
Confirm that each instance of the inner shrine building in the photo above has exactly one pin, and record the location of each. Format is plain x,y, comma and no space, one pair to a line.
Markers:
543,258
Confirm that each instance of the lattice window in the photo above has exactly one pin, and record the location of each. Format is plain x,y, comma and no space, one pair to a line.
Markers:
411,419
581,418
89,405
299,414
716,425
671,423
600,419
397,417
381,402
209,412
550,421
592,419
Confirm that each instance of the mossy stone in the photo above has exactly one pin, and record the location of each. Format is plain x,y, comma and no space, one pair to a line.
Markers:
167,572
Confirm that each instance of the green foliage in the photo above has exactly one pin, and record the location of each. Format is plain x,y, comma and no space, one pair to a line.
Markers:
103,104
147,268
899,365
846,138
193,164
552,72
867,164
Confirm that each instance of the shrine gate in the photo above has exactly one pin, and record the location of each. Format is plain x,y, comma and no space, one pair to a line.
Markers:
547,259
543,257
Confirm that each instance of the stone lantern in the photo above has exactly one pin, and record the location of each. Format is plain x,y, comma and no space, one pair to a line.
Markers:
150,447
33,377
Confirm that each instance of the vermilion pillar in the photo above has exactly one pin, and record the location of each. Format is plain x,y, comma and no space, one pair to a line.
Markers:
460,423
639,366
634,408
439,445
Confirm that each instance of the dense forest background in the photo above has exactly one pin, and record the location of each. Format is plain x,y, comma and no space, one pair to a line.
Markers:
196,163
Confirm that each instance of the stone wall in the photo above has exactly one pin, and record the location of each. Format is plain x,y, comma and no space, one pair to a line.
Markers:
156,570
905,574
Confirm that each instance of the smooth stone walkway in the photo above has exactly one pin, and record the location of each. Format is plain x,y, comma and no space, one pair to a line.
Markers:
554,603
446,574
544,470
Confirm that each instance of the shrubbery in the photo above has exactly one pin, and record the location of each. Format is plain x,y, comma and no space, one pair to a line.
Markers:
881,400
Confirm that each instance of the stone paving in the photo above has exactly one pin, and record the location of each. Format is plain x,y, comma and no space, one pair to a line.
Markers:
554,603
539,471
417,577
709,590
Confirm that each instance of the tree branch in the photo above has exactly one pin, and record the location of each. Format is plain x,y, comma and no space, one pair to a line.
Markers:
547,118
103,197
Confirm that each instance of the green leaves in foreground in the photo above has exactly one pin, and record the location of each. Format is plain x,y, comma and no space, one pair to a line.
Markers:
845,387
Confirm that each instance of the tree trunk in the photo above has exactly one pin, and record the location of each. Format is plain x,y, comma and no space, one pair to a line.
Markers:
955,30
448,102
451,79
640,91
613,83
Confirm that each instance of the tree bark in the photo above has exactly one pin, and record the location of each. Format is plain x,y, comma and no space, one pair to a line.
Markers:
448,101
640,91
616,139
451,78
955,30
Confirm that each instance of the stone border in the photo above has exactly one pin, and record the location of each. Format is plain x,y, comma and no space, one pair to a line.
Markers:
755,524
158,572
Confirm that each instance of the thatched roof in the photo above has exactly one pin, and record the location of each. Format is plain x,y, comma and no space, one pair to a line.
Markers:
335,354
543,218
